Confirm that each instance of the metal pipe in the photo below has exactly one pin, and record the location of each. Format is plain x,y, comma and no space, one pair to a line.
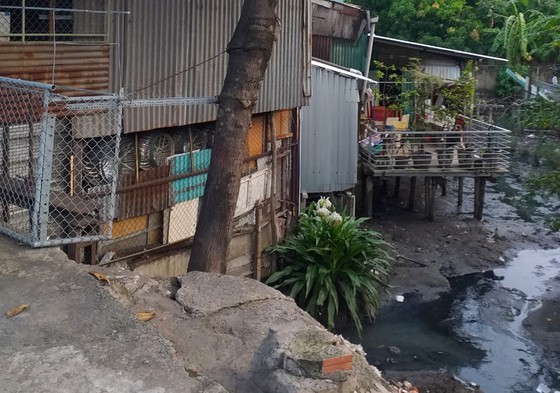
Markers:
21,82
64,9
369,52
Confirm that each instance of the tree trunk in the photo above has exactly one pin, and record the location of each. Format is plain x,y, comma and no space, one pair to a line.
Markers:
249,53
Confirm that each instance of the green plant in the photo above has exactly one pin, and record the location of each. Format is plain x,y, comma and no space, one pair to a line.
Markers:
507,87
332,265
541,114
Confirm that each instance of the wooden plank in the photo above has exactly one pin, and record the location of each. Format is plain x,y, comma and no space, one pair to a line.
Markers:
257,270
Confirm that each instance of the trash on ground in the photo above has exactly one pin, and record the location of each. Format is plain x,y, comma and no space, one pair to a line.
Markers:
100,277
399,298
17,310
542,388
145,316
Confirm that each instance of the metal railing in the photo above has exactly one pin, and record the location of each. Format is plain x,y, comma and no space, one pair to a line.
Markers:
484,150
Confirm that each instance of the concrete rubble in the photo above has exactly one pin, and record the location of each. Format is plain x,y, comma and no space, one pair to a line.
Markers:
211,334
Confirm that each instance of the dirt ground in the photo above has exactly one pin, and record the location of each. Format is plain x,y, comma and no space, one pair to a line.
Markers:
455,244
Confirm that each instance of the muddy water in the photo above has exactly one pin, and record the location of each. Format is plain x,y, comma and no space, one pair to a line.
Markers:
490,314
476,330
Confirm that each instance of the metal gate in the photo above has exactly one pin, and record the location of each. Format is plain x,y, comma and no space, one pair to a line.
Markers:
53,187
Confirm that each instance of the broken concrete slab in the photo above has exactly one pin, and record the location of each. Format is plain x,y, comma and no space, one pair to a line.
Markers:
219,337
75,337
203,294
295,360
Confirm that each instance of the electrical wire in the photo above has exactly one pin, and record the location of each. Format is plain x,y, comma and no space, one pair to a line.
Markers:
179,73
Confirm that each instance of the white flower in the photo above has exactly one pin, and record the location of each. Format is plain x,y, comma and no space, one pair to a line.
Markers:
324,202
323,212
335,218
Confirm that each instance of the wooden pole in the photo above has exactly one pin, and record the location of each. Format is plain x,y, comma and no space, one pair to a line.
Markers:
369,196
428,191
257,269
460,191
274,164
479,189
397,187
432,201
412,194
363,196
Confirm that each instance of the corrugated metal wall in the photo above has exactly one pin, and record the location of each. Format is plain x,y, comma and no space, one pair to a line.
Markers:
322,47
177,35
449,70
84,66
329,132
348,54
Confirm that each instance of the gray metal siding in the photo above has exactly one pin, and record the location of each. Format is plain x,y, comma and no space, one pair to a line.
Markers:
329,132
175,35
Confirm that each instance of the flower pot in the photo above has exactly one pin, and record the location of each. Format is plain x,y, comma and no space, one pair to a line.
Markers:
445,157
422,159
402,162
465,157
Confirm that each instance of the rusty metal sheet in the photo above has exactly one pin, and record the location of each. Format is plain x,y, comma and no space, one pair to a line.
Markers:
78,66
322,47
339,20
147,195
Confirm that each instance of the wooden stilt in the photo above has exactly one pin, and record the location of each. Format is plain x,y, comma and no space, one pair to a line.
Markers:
397,190
460,192
432,201
369,196
257,268
479,190
430,184
384,187
363,194
412,194
443,184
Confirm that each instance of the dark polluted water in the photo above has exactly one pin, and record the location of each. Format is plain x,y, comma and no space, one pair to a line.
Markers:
475,331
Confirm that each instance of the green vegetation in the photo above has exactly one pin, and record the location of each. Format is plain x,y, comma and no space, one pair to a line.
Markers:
331,265
507,87
539,114
474,25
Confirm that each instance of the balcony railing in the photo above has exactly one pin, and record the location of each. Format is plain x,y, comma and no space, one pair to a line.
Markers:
479,152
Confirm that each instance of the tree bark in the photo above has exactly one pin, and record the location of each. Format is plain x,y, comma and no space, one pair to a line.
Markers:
249,53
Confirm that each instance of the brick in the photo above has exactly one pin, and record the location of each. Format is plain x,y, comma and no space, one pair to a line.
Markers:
337,367
337,360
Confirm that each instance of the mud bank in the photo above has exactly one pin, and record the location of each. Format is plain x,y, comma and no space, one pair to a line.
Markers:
432,257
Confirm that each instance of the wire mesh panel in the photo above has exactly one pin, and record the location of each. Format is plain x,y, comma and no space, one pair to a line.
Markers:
21,118
61,20
55,188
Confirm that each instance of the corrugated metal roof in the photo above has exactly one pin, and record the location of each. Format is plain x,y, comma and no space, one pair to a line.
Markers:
329,129
435,49
178,35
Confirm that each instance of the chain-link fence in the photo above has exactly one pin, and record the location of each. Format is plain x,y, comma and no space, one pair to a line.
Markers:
59,20
68,176
56,188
